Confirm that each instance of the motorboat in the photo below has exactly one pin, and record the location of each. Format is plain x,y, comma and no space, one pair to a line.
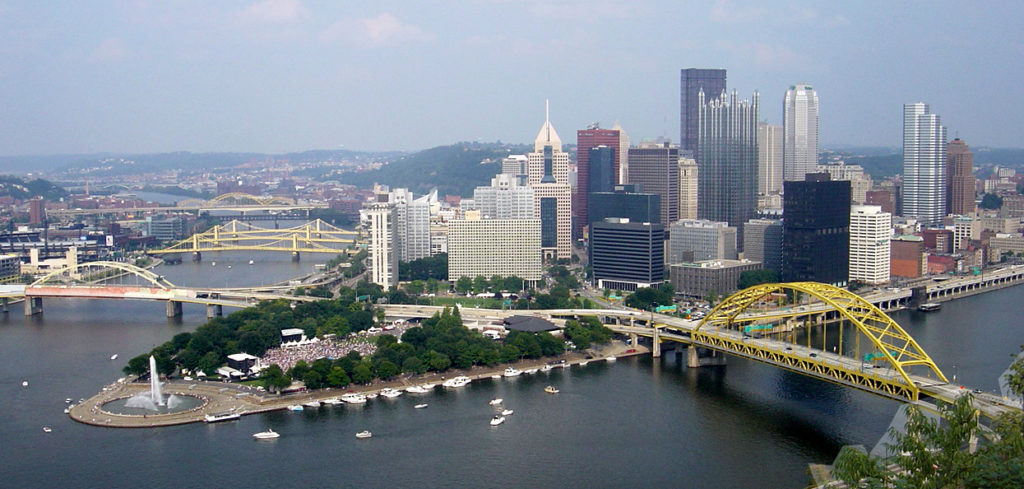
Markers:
250,262
218,417
334,401
68,400
24,383
546,368
417,389
584,363
929,306
530,371
312,404
295,407
67,410
390,393
507,412
495,402
551,389
420,406
610,359
46,429
362,435
457,381
371,395
266,435
512,372
113,357
213,263
496,377
354,398
497,419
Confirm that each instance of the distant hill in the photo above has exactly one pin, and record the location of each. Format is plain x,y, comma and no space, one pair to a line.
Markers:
22,190
882,162
455,169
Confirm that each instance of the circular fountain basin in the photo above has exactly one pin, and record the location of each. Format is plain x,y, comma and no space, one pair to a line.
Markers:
135,406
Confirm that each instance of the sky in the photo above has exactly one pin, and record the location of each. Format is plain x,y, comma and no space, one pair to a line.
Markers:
278,76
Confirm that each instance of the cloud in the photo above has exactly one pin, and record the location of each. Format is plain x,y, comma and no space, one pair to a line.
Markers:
110,50
375,31
276,12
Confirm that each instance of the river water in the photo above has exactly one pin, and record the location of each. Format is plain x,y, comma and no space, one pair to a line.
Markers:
632,423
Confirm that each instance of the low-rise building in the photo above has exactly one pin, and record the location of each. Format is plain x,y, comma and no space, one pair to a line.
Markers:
709,277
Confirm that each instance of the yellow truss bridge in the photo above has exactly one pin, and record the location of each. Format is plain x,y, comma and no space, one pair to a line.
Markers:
313,237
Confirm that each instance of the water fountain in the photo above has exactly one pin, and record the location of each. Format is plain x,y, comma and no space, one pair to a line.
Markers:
153,400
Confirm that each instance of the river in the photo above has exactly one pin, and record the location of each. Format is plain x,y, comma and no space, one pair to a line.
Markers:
632,423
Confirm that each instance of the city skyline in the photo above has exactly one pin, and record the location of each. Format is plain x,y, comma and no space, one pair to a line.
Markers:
290,75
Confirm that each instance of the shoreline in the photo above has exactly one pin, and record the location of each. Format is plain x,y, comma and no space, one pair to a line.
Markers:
224,397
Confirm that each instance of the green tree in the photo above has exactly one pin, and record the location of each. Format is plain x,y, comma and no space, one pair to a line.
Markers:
751,278
312,379
413,365
137,365
512,283
386,370
362,374
991,201
480,284
338,377
415,287
463,285
275,379
438,361
209,363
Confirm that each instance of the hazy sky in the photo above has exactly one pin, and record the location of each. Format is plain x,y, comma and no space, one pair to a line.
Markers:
288,75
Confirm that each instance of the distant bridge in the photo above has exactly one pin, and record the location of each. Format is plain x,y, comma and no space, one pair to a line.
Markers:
312,237
235,201
91,281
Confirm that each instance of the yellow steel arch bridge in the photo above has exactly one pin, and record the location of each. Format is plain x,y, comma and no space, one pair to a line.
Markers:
312,237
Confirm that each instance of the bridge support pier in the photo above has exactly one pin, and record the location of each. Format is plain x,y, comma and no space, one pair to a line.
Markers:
4,303
656,344
213,310
197,256
173,309
695,358
295,256
33,306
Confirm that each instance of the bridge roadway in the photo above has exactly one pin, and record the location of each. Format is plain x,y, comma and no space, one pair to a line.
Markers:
215,299
828,366
58,213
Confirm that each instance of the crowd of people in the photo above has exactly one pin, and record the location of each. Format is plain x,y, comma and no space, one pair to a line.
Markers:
331,347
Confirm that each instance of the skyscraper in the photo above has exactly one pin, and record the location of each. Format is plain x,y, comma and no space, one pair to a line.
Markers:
548,175
587,139
383,255
959,178
626,255
691,82
504,199
656,167
870,233
727,159
769,159
924,164
688,178
816,230
762,241
800,132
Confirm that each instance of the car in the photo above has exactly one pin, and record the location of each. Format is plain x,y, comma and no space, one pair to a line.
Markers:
814,355
789,348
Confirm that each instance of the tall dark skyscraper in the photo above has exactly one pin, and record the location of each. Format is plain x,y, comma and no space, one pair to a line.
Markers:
628,201
691,81
588,174
727,159
627,255
656,167
816,230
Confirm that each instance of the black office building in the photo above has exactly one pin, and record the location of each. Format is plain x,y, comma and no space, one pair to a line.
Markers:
626,255
691,81
602,169
627,201
816,230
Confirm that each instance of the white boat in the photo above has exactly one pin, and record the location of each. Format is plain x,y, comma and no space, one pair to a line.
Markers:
390,393
546,368
67,410
495,402
417,389
429,386
113,357
213,263
47,429
551,389
610,359
218,417
250,262
457,381
362,435
497,419
420,406
584,363
67,401
334,401
295,407
496,377
312,404
371,395
512,372
266,435
530,371
354,398
507,412
24,383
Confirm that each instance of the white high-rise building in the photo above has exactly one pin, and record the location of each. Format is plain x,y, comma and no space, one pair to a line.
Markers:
548,168
965,229
687,188
488,247
924,164
504,199
516,165
411,224
769,159
623,175
800,132
383,255
860,182
870,242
